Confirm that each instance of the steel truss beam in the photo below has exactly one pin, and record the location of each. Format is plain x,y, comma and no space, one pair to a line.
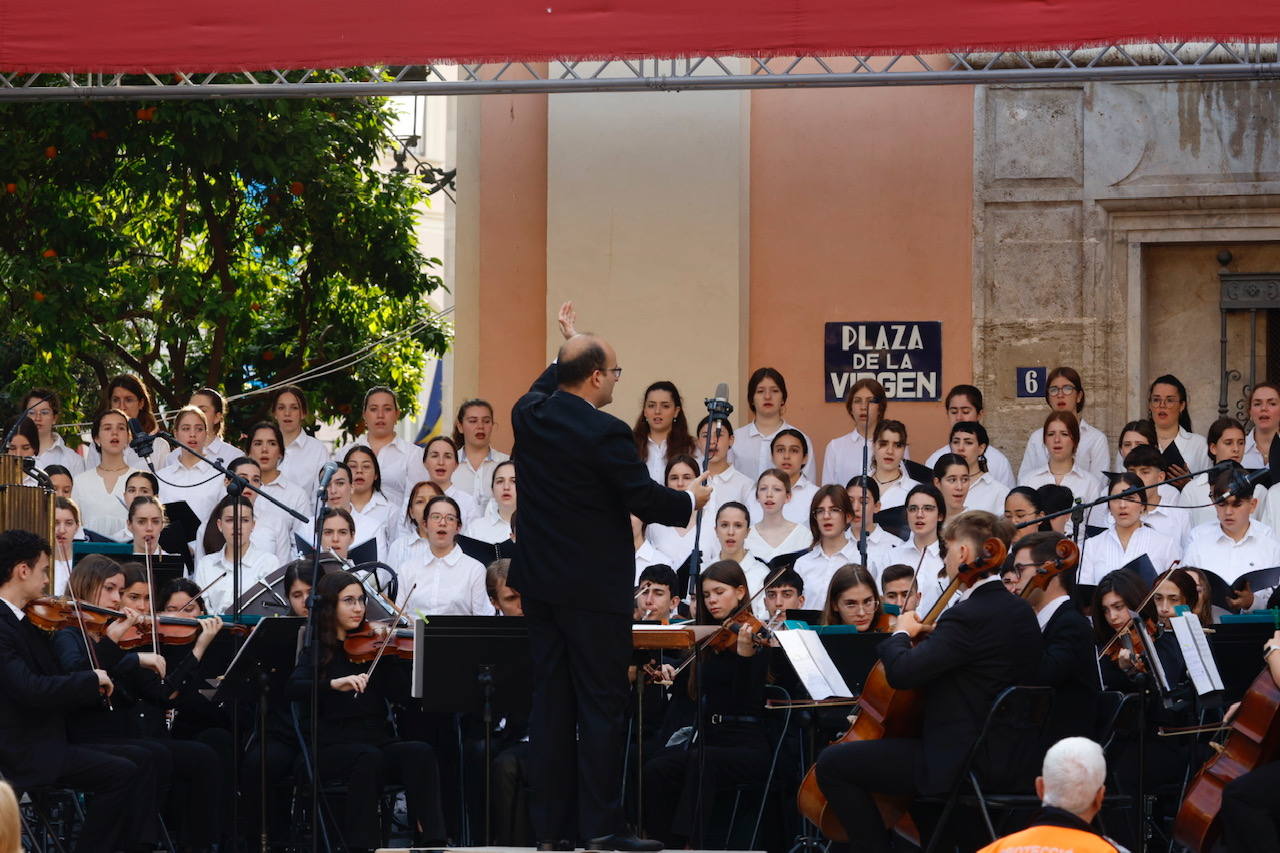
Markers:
1157,62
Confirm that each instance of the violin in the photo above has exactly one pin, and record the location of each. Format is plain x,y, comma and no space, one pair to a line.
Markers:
1128,639
727,637
51,613
1068,557
371,639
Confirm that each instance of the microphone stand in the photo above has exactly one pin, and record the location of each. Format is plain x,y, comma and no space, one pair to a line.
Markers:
142,444
862,499
718,409
309,641
13,430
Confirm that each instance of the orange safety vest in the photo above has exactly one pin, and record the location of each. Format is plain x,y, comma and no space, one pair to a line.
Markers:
1050,839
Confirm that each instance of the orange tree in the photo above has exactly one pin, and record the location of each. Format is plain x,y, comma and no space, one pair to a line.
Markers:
223,243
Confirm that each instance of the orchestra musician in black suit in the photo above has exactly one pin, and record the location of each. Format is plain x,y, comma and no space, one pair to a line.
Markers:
574,565
35,697
986,642
1069,663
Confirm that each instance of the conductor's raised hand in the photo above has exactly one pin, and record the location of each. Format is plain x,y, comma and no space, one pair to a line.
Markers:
568,320
702,490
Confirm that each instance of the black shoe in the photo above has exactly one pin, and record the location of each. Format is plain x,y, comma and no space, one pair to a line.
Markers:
625,842
561,844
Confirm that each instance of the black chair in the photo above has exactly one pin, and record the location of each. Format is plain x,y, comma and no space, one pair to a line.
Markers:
49,814
1011,739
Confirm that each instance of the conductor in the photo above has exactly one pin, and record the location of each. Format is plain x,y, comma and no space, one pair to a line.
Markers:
580,477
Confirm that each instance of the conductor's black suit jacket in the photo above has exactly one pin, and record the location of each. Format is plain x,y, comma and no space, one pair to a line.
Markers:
986,643
580,477
34,699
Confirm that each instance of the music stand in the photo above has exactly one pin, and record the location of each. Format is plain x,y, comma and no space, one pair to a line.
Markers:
485,661
271,647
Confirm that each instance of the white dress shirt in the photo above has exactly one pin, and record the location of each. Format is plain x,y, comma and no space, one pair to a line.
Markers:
100,511
880,545
986,493
895,494
1198,505
478,482
303,459
927,565
675,542
220,450
647,555
59,454
452,585
466,504
18,612
201,486
1084,485
798,539
1213,550
997,464
1252,456
280,523
254,566
655,459
1194,449
816,568
489,527
1091,454
400,463
750,453
731,485
266,537
1045,613
1104,553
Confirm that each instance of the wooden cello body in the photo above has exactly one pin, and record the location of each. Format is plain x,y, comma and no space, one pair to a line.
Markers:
886,712
1253,741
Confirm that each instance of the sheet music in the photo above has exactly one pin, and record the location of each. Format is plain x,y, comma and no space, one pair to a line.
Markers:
814,667
1195,651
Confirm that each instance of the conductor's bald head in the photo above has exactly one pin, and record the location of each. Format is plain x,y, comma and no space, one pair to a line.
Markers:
588,366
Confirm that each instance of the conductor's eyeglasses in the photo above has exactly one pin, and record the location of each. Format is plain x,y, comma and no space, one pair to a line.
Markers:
616,371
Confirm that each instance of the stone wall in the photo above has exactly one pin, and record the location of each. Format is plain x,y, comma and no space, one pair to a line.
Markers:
1071,184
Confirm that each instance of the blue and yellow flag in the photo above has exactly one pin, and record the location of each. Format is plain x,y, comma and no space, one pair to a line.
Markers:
433,421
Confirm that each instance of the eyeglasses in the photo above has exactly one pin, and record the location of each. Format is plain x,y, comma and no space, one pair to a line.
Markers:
352,600
920,508
616,371
437,516
1022,567
1059,390
862,606
828,510
1018,515
1164,402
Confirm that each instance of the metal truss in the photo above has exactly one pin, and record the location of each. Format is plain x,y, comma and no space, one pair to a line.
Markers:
1156,62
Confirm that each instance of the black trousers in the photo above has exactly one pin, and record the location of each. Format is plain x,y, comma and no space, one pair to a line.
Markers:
366,769
153,779
122,796
511,826
849,773
671,785
1250,806
577,728
280,763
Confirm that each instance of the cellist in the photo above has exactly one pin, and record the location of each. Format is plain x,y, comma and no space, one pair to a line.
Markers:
1251,803
986,642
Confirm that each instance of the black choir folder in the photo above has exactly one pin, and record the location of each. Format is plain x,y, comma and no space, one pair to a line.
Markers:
1173,456
1220,590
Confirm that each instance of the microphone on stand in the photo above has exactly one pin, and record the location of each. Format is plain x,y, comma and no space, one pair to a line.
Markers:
718,406
142,442
326,474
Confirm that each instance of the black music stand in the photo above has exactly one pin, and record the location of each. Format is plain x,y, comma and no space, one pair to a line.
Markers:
485,661
272,647
1237,649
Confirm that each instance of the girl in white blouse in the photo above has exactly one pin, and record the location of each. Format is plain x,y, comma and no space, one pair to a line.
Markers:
127,394
662,431
66,524
1167,405
214,407
677,542
186,477
439,461
444,581
1061,433
1064,392
146,520
790,451
1127,539
969,440
926,512
951,478
866,403
1264,412
367,499
1131,435
99,490
495,525
411,524
45,408
890,447
774,533
767,399
733,523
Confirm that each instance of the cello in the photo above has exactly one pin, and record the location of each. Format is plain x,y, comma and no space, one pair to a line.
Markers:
884,712
1253,740
1068,556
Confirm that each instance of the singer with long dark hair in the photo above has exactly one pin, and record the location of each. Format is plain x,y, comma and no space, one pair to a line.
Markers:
574,564
99,490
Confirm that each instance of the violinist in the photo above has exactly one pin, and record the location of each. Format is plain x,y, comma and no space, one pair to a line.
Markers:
189,801
35,699
985,643
736,749
852,599
1068,662
1251,803
193,714
358,746
1116,595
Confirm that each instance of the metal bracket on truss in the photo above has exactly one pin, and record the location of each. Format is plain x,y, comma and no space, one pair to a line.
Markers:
1155,62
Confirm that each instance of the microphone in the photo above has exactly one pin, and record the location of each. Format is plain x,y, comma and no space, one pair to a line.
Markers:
718,406
1077,515
142,443
326,474
1241,481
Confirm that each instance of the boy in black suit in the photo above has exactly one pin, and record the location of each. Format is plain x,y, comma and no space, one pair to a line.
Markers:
580,481
986,642
35,697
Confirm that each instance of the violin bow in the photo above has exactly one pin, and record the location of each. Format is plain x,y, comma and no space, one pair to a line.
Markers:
202,591
151,600
1137,611
88,646
386,641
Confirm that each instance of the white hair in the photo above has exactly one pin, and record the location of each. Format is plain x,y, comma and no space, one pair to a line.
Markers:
1074,769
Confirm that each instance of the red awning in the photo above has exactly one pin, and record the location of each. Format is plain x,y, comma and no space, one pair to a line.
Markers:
232,35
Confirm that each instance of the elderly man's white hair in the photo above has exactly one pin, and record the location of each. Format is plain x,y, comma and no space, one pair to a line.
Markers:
1074,769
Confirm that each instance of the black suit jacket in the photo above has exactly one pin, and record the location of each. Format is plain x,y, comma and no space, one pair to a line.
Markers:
1068,665
34,699
986,643
579,477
